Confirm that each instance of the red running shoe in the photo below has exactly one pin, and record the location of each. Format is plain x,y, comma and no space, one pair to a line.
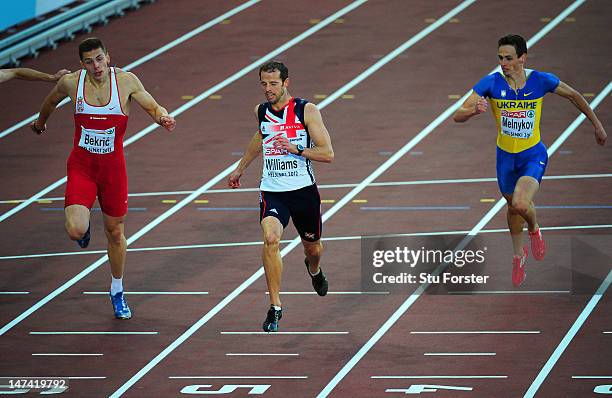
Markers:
518,268
538,246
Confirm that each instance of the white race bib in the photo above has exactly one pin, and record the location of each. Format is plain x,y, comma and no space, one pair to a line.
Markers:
98,141
518,124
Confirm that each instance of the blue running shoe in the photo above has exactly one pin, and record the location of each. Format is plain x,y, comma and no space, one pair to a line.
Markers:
84,241
122,311
271,322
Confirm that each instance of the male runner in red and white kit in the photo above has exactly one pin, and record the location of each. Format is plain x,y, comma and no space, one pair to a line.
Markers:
291,135
101,98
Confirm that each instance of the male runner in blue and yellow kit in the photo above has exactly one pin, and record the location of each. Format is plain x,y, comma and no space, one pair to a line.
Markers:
516,96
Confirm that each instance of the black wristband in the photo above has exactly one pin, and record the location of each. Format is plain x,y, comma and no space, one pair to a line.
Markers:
39,131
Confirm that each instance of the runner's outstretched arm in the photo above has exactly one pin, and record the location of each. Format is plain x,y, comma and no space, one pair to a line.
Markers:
157,112
30,74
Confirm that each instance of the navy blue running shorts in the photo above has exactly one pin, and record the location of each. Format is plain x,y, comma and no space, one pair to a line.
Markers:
303,206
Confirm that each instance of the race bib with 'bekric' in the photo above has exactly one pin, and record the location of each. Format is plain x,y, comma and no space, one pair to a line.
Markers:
98,141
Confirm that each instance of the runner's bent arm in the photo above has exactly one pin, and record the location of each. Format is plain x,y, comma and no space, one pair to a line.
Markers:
583,106
323,151
157,112
59,92
473,105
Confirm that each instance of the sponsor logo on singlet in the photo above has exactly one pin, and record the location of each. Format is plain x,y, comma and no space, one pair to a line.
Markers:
279,162
98,141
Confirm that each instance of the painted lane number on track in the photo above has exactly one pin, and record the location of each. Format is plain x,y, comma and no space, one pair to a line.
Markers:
197,389
419,388
603,389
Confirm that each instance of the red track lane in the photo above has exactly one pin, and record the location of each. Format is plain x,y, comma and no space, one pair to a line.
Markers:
585,356
387,110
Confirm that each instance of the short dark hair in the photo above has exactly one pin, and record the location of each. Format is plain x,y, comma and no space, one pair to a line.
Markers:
515,41
89,44
271,66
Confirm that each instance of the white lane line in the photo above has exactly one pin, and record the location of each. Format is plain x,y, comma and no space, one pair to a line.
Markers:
328,239
462,232
238,377
65,354
412,208
444,354
241,73
434,388
259,273
86,377
219,177
336,186
182,247
569,336
591,377
498,206
407,391
441,377
152,55
332,293
607,332
252,209
513,292
94,333
479,332
395,53
14,293
254,354
151,293
277,333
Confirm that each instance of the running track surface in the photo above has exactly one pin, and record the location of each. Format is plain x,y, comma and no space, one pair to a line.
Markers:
373,120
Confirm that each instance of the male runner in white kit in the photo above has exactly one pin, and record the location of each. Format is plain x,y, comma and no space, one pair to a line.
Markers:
291,135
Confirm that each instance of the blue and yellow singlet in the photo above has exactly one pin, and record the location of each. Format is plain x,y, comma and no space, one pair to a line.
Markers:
517,113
